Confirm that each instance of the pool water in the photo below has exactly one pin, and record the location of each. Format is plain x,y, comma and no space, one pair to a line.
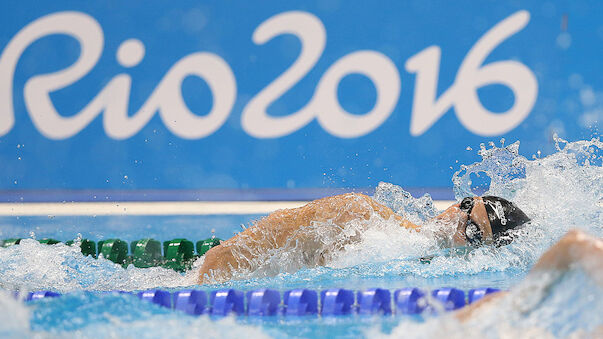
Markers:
559,192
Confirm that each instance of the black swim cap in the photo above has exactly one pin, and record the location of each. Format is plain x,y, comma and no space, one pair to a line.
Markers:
504,216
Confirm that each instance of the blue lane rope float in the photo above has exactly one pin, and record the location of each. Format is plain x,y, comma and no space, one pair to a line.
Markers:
159,297
226,302
39,295
477,294
410,300
450,298
193,302
336,301
302,302
374,301
263,302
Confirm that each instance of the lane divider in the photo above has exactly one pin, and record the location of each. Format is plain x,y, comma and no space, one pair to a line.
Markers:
149,208
304,302
178,254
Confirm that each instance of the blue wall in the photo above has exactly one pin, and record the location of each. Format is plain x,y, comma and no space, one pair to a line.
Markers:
550,52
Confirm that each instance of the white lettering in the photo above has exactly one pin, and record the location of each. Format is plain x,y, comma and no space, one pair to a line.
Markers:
382,72
312,35
426,110
173,110
324,106
114,97
90,36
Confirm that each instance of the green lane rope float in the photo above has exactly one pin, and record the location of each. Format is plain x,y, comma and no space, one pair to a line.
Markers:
178,254
115,250
88,247
48,241
10,242
146,253
204,245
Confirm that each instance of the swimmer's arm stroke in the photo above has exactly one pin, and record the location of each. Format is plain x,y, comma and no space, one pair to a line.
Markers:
451,216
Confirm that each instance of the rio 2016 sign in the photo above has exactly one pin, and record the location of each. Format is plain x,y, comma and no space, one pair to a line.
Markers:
324,105
303,94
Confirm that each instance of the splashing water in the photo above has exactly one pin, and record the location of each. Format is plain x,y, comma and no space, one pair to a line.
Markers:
548,304
559,192
34,266
402,203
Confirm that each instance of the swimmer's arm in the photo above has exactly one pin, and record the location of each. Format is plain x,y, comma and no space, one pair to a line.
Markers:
217,265
468,311
283,226
453,216
387,213
576,247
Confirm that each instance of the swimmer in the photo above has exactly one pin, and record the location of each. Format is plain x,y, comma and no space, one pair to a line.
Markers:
476,220
575,250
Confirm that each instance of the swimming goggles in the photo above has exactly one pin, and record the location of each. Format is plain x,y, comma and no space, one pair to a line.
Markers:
473,233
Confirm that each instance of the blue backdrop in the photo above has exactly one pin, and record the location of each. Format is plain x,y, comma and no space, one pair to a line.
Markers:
276,94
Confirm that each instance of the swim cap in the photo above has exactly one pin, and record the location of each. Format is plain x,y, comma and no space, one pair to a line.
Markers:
504,216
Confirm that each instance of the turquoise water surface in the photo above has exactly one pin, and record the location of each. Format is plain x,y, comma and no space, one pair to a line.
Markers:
559,192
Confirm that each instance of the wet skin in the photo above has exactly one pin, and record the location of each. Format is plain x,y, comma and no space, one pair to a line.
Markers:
282,227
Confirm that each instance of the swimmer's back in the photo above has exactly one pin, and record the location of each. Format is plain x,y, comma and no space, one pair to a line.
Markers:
274,230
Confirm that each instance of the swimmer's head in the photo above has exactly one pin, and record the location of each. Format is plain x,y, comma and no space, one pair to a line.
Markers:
490,219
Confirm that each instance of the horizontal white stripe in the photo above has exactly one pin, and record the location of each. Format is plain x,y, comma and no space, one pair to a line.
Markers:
154,208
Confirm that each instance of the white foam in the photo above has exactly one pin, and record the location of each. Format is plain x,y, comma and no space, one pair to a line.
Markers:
34,266
559,192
